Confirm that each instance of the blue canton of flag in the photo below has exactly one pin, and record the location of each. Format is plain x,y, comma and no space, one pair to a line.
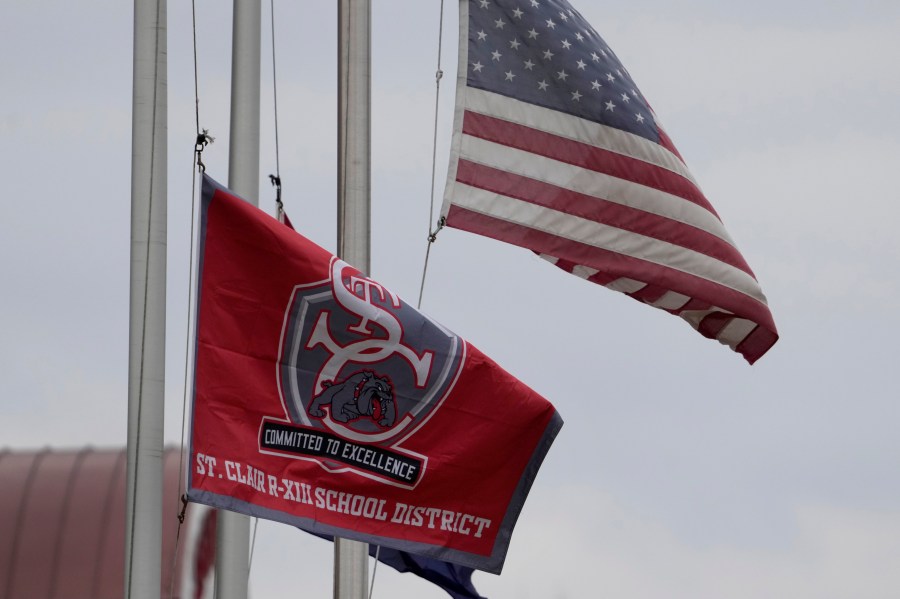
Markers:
549,55
556,150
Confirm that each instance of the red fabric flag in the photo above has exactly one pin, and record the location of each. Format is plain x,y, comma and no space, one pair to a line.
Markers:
323,400
556,150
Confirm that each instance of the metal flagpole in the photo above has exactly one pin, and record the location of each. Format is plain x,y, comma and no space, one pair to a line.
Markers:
233,529
147,317
354,200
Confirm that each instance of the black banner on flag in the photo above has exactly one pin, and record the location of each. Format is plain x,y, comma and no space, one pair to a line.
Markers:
304,441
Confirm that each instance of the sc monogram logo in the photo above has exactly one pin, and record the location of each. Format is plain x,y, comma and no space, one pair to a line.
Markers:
360,362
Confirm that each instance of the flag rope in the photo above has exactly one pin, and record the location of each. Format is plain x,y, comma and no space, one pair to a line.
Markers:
198,164
432,232
374,570
276,178
203,138
252,546
196,76
184,504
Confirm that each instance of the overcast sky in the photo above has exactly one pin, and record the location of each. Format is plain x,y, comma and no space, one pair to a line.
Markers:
681,471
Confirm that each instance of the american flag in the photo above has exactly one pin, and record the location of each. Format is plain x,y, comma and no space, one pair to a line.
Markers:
556,150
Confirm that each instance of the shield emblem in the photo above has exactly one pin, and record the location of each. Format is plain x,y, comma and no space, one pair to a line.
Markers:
358,361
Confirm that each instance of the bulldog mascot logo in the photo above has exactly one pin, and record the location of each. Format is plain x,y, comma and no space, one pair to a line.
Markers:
360,394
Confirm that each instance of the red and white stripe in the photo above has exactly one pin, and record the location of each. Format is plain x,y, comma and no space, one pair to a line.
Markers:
606,205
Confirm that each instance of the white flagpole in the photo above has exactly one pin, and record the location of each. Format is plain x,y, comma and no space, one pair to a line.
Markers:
147,317
233,529
354,200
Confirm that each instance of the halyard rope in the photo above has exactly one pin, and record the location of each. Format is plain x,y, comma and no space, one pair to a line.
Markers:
432,233
276,178
202,139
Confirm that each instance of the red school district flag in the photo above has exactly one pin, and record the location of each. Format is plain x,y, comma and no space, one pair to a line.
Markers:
324,401
556,150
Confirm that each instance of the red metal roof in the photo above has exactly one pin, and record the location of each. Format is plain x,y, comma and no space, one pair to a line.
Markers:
62,524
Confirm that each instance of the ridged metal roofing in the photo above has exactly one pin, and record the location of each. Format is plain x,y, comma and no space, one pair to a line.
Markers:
62,524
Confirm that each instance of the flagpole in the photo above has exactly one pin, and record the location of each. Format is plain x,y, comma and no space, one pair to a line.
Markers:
233,529
354,201
147,315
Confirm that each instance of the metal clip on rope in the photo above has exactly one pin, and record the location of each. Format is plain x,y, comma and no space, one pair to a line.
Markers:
432,235
276,181
203,140
184,504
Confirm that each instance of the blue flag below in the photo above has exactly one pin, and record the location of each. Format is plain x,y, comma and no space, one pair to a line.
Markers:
453,578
